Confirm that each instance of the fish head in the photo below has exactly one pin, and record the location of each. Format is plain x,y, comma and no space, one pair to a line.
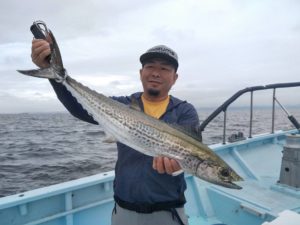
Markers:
218,173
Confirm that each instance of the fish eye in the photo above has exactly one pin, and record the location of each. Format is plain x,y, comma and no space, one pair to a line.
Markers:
225,172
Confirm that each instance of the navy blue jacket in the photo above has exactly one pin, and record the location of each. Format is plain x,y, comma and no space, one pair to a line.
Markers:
135,179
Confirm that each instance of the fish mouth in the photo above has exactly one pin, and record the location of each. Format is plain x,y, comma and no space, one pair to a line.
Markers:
232,185
229,183
226,184
223,183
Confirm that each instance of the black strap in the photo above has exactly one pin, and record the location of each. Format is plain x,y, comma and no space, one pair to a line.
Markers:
150,208
176,215
115,209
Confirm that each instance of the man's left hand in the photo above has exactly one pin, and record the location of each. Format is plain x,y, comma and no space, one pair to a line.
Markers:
165,165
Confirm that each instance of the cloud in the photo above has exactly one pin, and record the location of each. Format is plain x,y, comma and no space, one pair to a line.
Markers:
68,18
223,46
15,104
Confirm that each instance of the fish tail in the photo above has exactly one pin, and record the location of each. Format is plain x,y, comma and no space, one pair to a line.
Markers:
56,59
56,70
42,73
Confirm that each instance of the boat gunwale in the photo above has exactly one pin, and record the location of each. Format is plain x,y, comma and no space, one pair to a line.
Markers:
55,189
72,185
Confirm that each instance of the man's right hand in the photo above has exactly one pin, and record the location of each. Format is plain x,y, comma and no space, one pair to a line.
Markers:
40,49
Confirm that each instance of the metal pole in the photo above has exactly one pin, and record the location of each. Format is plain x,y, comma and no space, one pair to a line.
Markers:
283,108
224,128
273,110
290,116
251,114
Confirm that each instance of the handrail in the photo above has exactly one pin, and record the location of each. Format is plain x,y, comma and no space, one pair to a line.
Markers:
225,105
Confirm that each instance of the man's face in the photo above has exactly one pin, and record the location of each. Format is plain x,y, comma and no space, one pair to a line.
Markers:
157,76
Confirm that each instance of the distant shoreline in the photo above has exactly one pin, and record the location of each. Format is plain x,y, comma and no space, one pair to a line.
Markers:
197,108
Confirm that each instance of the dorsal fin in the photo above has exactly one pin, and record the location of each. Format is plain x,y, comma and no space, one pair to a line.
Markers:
192,131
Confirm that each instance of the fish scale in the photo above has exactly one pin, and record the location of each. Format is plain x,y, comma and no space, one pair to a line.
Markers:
140,131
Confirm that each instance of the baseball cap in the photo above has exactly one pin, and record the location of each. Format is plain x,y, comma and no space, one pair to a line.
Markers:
160,51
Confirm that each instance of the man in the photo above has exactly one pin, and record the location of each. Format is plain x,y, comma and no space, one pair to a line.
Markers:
147,190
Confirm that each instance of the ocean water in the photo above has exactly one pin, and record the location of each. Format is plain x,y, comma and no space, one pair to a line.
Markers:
38,150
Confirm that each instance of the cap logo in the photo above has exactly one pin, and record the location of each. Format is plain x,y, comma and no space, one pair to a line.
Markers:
163,50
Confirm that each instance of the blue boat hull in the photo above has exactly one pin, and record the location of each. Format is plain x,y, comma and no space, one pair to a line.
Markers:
89,201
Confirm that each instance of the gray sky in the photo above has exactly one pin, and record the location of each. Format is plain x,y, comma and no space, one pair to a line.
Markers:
223,46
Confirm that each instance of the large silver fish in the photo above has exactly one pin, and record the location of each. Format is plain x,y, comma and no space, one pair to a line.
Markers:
139,131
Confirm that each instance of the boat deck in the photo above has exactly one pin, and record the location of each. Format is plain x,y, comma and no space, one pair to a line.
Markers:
89,201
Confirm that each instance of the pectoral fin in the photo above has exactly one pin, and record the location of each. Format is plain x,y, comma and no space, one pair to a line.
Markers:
109,140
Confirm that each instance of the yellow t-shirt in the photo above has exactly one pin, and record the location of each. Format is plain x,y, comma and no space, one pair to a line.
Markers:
155,109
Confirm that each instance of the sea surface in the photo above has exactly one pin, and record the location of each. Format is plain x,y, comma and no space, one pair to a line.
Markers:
41,149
